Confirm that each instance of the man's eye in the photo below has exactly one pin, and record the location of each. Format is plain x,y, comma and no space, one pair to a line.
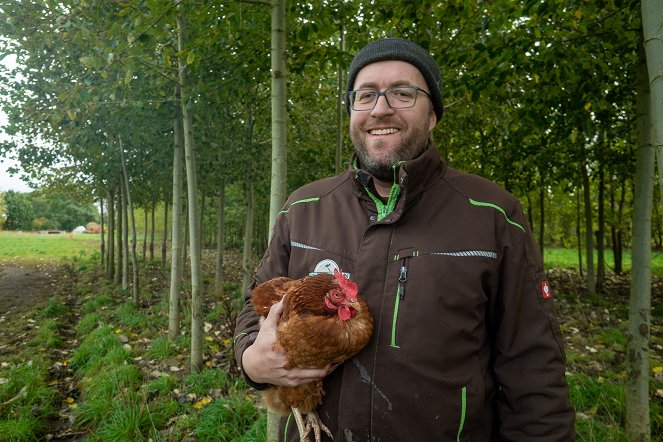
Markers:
365,97
403,94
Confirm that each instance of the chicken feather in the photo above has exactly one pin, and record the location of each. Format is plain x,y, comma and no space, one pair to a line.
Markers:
323,324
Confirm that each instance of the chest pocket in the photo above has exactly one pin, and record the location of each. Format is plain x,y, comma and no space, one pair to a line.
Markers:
440,283
307,259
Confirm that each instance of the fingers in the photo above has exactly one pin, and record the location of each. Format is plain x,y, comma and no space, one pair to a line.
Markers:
299,376
273,315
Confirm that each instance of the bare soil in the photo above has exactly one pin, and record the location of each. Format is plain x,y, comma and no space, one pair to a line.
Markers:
23,286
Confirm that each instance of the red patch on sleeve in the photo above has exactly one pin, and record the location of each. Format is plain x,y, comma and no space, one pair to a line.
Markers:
546,291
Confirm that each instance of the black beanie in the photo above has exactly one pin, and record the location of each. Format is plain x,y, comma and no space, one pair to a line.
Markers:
402,50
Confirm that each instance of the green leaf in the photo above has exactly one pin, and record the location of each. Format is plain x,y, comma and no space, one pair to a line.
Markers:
191,57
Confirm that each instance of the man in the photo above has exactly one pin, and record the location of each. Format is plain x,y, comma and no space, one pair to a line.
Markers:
466,345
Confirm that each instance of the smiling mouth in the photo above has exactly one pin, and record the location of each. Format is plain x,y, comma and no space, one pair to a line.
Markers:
383,131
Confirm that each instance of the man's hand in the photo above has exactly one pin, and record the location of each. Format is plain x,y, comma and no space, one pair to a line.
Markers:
265,366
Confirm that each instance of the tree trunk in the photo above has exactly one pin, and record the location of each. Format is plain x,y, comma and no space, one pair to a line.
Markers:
102,243
279,131
220,239
203,198
247,269
340,98
589,232
120,247
110,273
125,235
578,235
542,219
650,125
152,231
164,239
130,211
530,219
600,236
176,255
619,250
145,236
192,192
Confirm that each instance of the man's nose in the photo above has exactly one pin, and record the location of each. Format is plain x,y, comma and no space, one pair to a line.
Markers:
382,106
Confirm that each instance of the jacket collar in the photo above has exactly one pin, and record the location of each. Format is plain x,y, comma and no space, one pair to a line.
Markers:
413,176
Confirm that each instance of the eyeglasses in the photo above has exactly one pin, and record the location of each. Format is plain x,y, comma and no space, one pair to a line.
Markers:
399,97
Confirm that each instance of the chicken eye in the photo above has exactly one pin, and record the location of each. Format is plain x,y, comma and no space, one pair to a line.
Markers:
337,295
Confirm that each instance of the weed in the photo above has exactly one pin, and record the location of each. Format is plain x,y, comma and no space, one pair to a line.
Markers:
111,382
162,385
128,315
54,308
126,422
203,382
161,348
97,303
47,336
92,411
600,407
161,411
613,336
88,323
93,347
22,428
226,420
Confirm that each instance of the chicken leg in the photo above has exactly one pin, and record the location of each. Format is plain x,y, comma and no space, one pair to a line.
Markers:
312,422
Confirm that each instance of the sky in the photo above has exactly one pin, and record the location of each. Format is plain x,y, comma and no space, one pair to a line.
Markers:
9,182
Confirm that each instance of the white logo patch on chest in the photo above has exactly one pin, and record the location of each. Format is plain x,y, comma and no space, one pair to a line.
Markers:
327,266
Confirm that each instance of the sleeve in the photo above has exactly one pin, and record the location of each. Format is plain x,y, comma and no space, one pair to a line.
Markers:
529,361
274,263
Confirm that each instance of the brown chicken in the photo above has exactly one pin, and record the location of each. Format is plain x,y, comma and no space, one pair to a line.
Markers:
323,323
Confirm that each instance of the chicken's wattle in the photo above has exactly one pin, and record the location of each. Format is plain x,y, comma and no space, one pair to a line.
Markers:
345,312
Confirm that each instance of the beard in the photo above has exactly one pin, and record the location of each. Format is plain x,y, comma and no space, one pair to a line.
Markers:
381,168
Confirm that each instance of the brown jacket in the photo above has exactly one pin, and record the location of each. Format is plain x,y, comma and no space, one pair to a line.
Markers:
466,344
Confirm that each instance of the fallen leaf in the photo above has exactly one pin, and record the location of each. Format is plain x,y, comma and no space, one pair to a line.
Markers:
201,403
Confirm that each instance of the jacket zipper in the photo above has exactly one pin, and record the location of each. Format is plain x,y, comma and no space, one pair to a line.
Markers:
400,294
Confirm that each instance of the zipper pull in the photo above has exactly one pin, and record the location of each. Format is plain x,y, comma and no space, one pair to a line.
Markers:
402,279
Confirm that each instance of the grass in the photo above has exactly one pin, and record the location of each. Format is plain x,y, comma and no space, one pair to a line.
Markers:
30,247
127,392
555,257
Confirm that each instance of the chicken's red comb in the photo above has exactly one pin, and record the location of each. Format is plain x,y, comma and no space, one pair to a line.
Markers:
349,287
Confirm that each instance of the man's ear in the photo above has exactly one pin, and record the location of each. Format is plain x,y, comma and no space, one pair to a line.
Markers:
432,121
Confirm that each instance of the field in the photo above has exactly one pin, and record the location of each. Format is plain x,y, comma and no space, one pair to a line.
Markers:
31,247
94,365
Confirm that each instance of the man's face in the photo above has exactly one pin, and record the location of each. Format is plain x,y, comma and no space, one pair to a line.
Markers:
383,136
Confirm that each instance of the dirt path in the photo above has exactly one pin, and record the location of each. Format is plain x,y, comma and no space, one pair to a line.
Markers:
23,286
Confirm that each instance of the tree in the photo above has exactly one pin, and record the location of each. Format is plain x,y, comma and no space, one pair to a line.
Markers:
18,211
192,200
650,129
3,215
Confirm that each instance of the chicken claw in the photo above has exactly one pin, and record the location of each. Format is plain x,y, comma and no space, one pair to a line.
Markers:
312,422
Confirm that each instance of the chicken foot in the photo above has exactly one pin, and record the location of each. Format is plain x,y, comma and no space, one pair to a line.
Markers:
312,422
